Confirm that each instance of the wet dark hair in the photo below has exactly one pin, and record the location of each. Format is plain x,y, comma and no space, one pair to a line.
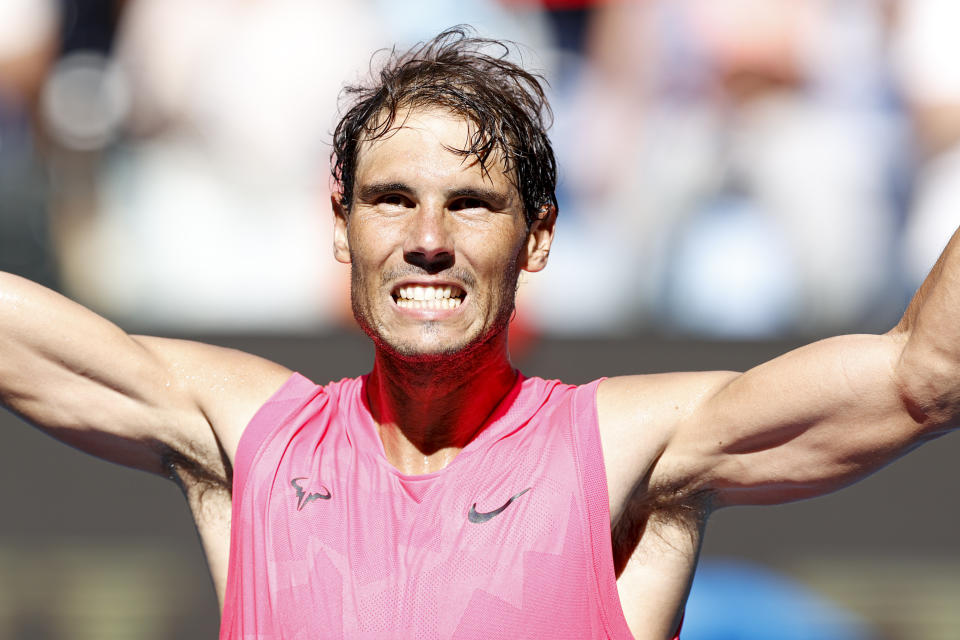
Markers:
470,77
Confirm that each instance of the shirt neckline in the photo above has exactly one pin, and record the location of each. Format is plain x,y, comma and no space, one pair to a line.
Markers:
492,427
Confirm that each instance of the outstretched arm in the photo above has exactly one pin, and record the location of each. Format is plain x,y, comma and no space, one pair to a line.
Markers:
803,424
131,400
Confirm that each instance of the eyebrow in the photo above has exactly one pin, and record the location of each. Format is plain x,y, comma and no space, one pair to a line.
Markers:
372,191
497,199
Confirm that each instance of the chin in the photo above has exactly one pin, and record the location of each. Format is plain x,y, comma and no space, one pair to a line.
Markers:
432,345
426,350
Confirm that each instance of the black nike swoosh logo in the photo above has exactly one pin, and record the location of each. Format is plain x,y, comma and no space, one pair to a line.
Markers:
476,516
303,498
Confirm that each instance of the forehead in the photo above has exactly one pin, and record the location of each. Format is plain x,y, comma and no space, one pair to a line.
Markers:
422,145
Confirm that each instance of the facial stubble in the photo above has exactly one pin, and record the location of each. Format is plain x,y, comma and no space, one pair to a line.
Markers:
450,355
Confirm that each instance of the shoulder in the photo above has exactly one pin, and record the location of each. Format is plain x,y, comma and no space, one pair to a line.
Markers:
631,407
227,386
640,415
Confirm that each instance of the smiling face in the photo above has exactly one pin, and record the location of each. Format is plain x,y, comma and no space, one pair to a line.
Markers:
435,243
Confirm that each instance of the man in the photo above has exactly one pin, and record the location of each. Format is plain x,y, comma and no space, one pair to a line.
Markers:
444,495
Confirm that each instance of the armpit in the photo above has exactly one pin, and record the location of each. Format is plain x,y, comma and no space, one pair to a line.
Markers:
651,510
195,476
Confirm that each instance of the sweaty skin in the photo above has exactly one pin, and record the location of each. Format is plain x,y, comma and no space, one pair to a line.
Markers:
424,217
427,225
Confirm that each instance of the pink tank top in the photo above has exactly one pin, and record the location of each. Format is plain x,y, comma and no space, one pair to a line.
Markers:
511,540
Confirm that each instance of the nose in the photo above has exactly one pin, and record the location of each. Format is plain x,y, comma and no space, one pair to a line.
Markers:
429,243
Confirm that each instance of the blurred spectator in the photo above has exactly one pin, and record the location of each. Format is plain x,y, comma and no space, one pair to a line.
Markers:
926,50
213,212
28,46
419,20
767,115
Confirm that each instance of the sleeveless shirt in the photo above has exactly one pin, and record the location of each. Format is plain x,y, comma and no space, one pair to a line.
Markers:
511,540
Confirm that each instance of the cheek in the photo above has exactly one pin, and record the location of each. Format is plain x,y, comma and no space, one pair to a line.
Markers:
504,265
363,266
369,245
518,245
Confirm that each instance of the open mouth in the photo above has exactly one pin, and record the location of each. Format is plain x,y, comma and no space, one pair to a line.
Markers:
417,296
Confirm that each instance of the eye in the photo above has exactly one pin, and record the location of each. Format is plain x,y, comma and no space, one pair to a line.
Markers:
394,200
461,204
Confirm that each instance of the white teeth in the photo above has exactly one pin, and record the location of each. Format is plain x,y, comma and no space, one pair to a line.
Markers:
436,303
429,297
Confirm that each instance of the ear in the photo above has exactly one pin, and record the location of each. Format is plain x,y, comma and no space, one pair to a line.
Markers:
341,242
539,239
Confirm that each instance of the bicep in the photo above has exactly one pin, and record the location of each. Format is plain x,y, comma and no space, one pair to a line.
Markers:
801,425
80,378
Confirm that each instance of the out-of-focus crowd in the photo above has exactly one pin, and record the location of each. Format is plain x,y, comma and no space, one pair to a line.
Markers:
729,168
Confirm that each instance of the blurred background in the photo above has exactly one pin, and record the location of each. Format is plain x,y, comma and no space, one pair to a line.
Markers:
737,177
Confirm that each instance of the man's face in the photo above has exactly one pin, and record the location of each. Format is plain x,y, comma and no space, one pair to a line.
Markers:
435,243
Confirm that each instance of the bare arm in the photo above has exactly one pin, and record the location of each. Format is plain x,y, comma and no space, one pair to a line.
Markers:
131,400
803,424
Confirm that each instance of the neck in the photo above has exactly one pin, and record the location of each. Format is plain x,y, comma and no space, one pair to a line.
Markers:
428,409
